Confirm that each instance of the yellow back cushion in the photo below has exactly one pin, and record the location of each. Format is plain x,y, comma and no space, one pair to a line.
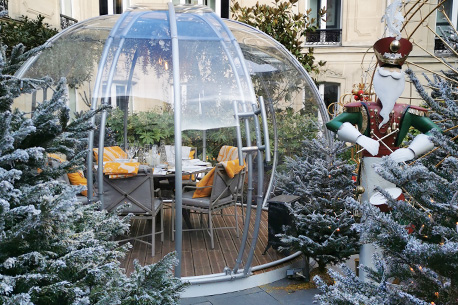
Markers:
110,153
78,178
56,157
207,181
232,167
227,153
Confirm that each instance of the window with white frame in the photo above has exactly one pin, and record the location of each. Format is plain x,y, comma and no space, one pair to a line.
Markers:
330,93
330,29
446,20
220,7
110,7
121,97
66,7
448,11
117,95
66,14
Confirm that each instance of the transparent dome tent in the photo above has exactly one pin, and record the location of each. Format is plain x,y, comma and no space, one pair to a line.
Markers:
180,74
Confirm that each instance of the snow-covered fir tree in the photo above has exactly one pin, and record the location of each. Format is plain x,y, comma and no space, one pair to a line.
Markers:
418,262
53,249
322,226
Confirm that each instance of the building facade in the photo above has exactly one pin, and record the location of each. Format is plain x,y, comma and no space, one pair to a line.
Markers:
63,13
351,28
344,39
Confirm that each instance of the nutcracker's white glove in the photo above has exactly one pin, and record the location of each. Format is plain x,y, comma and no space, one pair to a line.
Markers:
420,145
371,145
348,133
402,155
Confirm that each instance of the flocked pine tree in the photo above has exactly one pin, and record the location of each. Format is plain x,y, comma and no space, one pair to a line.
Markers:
54,250
322,226
418,263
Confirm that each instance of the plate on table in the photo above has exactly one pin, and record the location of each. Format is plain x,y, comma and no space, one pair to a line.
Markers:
159,171
196,162
126,160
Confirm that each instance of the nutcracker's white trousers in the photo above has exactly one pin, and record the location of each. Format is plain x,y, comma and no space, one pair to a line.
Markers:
369,180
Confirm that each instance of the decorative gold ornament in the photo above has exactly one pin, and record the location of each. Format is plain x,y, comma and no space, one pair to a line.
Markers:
353,109
360,189
416,112
395,45
365,119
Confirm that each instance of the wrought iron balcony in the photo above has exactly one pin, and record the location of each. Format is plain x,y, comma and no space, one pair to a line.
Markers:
324,37
66,21
3,5
441,49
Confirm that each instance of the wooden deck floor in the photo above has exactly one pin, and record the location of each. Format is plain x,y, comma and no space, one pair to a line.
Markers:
198,257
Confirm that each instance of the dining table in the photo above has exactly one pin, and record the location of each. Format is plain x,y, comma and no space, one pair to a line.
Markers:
164,178
188,167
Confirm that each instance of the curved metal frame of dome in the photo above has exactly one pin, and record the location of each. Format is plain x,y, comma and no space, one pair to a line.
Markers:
249,112
322,107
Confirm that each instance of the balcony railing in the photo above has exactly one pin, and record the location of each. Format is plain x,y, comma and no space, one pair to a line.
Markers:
441,49
3,5
66,21
324,37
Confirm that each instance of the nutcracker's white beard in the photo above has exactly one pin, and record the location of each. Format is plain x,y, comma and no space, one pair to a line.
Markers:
388,85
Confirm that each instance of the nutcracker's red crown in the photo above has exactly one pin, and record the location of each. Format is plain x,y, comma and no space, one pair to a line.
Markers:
390,51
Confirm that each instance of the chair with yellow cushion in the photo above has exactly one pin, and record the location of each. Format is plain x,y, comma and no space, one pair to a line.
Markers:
111,153
126,182
229,153
139,193
75,178
217,195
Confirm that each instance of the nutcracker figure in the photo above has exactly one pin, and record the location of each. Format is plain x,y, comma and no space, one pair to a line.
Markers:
383,124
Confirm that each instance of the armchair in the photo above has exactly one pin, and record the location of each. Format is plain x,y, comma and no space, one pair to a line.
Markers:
139,192
223,194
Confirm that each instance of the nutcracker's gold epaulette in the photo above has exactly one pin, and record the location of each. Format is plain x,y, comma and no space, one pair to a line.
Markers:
353,107
420,111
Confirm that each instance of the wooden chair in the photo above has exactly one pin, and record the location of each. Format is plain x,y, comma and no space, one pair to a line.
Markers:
223,195
139,192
